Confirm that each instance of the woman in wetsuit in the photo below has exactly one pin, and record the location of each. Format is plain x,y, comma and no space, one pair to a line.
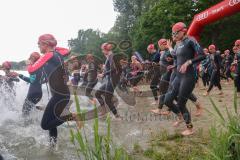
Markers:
155,58
184,82
76,71
215,63
9,78
204,69
166,60
236,63
35,89
91,76
136,74
52,65
228,62
112,77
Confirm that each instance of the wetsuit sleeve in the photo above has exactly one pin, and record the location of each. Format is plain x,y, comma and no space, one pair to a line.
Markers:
30,79
14,79
26,79
40,62
198,50
92,72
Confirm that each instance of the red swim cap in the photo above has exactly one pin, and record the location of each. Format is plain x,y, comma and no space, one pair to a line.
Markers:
162,42
237,42
106,47
7,65
212,46
48,39
150,47
35,55
180,26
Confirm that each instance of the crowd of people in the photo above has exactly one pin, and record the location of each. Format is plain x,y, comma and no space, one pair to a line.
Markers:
174,72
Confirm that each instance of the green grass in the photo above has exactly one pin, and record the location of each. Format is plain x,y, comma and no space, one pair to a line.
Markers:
222,142
102,147
225,139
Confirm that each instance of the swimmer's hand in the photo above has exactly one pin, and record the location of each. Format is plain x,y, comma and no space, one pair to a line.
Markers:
170,67
100,75
13,74
184,67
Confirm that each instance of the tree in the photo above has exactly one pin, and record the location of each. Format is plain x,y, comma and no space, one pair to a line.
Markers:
87,41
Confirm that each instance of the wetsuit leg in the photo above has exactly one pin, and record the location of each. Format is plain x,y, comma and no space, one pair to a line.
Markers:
192,97
218,79
237,82
228,72
99,93
30,102
171,95
107,91
52,114
204,79
89,89
187,84
212,80
164,84
154,84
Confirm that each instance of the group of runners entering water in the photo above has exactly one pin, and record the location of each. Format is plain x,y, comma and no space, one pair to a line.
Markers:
174,72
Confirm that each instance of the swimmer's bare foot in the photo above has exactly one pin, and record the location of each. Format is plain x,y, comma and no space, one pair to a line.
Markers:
156,111
179,121
93,101
220,93
187,132
155,102
199,109
166,113
206,94
78,121
117,117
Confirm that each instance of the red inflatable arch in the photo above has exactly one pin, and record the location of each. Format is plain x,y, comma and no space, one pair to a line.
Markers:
213,14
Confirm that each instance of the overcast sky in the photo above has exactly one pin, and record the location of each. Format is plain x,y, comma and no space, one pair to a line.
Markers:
22,21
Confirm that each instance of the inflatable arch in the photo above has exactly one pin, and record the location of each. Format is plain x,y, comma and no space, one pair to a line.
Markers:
213,14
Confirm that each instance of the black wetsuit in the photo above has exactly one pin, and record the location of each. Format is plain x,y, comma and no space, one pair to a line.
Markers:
34,92
76,78
184,83
228,62
123,84
237,72
52,65
166,74
112,78
91,78
1,158
204,74
215,62
156,75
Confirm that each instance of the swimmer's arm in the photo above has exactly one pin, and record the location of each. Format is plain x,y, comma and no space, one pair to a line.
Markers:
14,79
40,62
200,54
30,79
26,79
